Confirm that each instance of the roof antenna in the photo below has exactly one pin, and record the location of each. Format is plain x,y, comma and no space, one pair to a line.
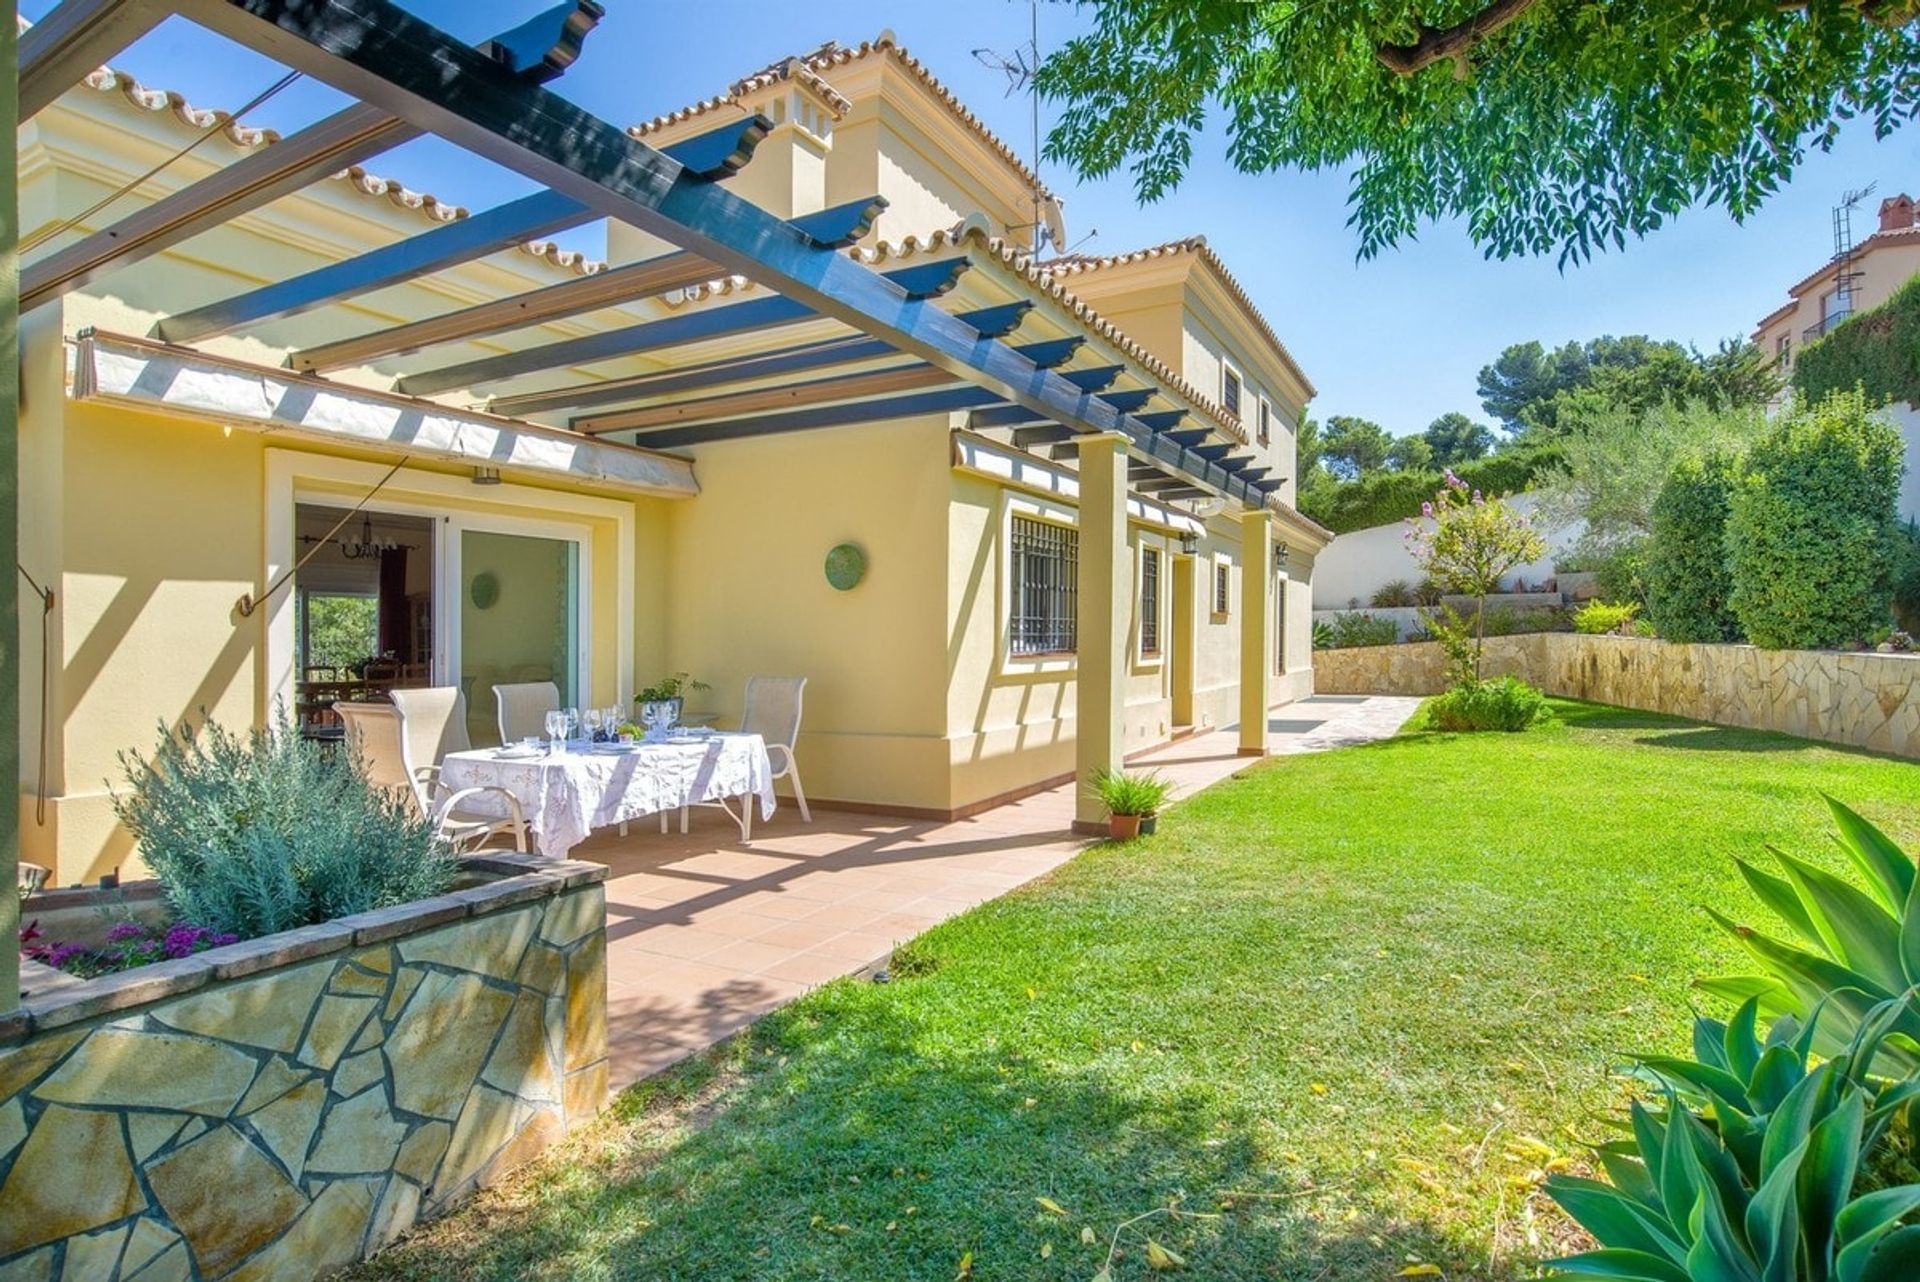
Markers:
1845,253
1019,68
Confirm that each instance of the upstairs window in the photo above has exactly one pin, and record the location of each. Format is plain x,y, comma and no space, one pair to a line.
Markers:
1266,421
1045,583
1230,388
1150,601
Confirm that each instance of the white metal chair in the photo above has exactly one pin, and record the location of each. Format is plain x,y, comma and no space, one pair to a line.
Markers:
773,713
523,708
387,738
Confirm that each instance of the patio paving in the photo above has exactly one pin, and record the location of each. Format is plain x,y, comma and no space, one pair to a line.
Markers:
705,934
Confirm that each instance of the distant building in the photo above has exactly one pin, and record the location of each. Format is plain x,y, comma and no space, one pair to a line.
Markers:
1878,265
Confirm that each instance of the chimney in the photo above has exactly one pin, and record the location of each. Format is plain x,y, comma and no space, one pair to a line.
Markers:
1896,213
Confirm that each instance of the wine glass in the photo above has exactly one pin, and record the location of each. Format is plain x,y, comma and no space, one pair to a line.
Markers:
556,727
573,724
591,717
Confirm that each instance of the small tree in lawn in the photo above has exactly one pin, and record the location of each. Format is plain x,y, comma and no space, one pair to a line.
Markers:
1466,542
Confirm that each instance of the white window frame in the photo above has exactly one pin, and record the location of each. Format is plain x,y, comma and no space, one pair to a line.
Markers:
295,477
1230,371
1222,566
1143,657
1011,505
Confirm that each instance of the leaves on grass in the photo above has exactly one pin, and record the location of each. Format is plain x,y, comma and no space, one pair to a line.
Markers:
1087,1237
966,1269
1051,1207
1421,1271
1161,1260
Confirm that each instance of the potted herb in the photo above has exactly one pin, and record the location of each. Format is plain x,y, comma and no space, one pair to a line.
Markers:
666,695
1133,801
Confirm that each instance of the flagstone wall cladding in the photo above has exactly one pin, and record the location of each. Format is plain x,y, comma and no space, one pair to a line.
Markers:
286,1106
1864,700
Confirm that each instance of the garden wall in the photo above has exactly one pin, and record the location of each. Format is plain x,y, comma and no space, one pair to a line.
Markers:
1864,700
282,1107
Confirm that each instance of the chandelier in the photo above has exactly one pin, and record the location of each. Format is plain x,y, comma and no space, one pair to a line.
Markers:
368,544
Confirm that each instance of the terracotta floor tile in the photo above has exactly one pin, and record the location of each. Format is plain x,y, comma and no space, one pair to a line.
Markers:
812,969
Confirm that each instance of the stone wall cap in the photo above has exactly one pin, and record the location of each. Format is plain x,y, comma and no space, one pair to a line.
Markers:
109,993
508,891
250,956
403,919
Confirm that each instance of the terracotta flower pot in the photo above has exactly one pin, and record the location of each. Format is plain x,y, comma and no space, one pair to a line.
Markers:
1123,827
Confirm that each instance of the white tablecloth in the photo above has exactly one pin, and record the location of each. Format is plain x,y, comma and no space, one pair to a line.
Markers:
565,795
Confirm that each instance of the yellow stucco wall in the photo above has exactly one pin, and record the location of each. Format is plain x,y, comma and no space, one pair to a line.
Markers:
746,593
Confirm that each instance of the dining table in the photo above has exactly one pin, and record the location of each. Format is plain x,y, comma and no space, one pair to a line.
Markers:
567,790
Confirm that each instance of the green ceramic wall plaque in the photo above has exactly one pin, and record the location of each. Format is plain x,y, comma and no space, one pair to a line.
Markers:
484,591
846,566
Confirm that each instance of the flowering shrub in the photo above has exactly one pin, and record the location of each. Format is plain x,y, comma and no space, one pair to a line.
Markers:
128,944
1467,543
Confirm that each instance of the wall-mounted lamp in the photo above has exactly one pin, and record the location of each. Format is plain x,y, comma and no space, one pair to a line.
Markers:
1189,545
486,476
1279,554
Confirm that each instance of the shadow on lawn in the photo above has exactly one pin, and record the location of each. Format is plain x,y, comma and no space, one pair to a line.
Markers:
1727,739
848,1140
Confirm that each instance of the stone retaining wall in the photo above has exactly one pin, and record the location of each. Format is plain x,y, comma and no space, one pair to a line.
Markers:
1864,700
285,1106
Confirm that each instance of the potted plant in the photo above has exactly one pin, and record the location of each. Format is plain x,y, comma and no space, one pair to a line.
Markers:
1133,801
668,693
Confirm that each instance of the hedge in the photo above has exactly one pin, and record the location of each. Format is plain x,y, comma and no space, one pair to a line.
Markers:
1688,581
1811,527
1877,351
1386,497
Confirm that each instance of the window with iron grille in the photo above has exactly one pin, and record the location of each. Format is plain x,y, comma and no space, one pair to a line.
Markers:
1150,601
1230,389
1046,587
1219,587
1266,421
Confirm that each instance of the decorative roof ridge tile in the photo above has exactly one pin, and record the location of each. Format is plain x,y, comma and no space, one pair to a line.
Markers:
107,80
833,54
1017,259
794,68
1080,264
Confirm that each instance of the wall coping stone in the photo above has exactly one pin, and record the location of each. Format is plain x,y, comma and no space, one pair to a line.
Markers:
521,879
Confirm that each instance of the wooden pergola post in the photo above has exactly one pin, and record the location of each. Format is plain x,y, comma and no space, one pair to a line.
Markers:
9,517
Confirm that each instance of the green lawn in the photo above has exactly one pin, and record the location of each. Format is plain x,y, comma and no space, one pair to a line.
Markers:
1342,1012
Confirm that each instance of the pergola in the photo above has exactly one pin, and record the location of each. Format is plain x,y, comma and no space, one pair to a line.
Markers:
893,348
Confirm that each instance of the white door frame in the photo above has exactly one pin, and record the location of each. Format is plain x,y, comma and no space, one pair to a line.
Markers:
294,477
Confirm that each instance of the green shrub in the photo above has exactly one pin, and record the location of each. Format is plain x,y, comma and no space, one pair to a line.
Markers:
1357,628
1597,618
1504,703
1851,948
1130,794
1906,578
1395,594
1810,527
256,833
1381,498
1688,582
1877,352
1322,635
1621,574
1760,1167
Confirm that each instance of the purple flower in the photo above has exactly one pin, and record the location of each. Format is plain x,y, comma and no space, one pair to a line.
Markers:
1426,509
121,931
1453,481
60,954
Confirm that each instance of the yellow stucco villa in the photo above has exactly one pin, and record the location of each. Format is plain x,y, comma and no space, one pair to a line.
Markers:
605,495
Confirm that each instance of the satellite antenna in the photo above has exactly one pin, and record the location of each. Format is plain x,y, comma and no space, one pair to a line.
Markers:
1020,67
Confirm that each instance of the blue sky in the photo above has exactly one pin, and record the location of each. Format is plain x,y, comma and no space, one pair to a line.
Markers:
1399,339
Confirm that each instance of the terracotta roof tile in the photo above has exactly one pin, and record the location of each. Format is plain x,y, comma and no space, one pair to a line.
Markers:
1069,265
106,80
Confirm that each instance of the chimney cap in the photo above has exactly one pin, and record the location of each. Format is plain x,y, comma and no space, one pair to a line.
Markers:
1896,213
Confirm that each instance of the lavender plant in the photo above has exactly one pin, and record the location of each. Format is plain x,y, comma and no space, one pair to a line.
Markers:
264,831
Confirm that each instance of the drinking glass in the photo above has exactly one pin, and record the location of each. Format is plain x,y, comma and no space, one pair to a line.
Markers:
573,724
556,727
592,719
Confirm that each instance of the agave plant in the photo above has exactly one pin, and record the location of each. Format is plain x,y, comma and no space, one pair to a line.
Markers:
1855,949
1759,1186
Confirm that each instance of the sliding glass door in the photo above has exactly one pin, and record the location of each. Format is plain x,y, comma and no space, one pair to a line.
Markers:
520,619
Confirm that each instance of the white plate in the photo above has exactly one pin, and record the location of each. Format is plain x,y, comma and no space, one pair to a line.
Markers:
615,749
519,754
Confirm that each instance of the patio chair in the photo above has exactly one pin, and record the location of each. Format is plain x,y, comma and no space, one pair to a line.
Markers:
773,713
386,740
523,708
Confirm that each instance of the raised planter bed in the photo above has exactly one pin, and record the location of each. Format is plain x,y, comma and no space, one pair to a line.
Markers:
281,1107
